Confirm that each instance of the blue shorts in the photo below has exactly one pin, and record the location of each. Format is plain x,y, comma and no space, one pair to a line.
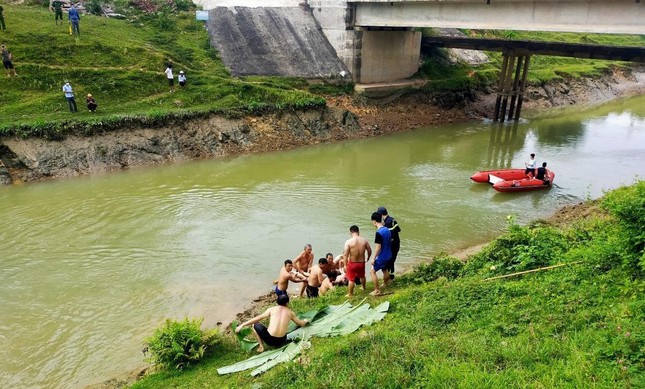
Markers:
380,264
279,292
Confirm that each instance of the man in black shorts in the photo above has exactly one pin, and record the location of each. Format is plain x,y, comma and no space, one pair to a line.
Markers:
279,318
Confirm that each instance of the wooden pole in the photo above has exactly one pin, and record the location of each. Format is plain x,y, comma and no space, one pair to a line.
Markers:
515,91
531,271
500,86
522,87
507,85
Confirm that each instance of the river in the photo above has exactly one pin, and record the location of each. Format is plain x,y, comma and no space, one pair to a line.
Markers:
91,265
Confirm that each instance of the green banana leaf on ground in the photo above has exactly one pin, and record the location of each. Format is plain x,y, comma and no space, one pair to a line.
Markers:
330,321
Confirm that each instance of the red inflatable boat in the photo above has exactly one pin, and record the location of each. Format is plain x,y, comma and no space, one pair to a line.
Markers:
512,180
504,174
523,184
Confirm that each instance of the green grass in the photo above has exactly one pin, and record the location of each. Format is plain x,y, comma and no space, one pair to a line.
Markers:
577,326
121,63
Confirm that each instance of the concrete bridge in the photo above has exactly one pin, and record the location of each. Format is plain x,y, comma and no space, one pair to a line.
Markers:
376,41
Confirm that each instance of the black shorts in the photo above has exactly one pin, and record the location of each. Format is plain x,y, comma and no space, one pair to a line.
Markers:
312,291
528,170
7,64
267,338
171,82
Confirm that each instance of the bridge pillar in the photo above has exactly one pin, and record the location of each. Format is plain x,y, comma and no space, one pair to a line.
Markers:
511,84
387,55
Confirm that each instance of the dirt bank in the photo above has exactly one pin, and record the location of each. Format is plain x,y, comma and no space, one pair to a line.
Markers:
345,117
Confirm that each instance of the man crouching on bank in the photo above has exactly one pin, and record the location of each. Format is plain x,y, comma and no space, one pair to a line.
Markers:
279,317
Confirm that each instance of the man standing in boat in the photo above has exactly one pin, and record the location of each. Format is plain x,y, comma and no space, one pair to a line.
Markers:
530,167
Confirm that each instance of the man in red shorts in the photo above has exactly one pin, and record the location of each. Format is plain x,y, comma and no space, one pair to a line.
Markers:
354,253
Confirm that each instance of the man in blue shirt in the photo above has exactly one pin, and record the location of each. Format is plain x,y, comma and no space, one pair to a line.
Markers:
74,17
382,253
69,95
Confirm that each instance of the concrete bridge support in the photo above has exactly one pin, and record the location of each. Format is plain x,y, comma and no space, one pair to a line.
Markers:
511,84
387,56
372,55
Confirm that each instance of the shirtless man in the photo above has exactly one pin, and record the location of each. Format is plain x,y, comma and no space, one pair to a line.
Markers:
354,256
279,317
303,263
285,276
318,282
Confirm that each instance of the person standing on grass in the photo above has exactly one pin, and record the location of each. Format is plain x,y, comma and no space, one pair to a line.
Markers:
2,25
382,253
57,7
69,96
279,318
393,226
181,79
357,251
74,17
7,61
170,77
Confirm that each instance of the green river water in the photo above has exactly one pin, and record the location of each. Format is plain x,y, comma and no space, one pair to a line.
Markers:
91,265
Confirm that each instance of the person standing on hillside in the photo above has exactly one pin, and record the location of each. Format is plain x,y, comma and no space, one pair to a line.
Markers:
69,96
170,77
75,18
382,253
393,226
2,25
7,61
181,79
57,7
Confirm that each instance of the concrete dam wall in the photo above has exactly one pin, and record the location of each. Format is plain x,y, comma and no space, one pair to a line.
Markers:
283,41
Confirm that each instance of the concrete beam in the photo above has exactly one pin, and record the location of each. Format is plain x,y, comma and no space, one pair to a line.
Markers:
593,16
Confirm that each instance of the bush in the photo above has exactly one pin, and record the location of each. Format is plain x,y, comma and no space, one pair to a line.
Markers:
521,248
440,266
628,205
180,344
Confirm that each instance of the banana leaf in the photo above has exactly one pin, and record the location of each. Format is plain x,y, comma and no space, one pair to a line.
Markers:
252,362
247,345
330,321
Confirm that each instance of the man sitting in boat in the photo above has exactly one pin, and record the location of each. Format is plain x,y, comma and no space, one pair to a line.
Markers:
542,174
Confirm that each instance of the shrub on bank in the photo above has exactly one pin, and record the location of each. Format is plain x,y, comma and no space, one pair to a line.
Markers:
177,345
628,205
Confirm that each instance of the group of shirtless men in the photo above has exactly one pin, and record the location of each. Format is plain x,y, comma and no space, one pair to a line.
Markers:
349,267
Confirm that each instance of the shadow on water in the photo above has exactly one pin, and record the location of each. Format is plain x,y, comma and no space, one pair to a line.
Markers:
504,143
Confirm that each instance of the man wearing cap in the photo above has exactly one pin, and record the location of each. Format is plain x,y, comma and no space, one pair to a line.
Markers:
393,226
69,96
382,253
182,79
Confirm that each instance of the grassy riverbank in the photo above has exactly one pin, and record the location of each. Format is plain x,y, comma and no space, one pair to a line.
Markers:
121,62
578,325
